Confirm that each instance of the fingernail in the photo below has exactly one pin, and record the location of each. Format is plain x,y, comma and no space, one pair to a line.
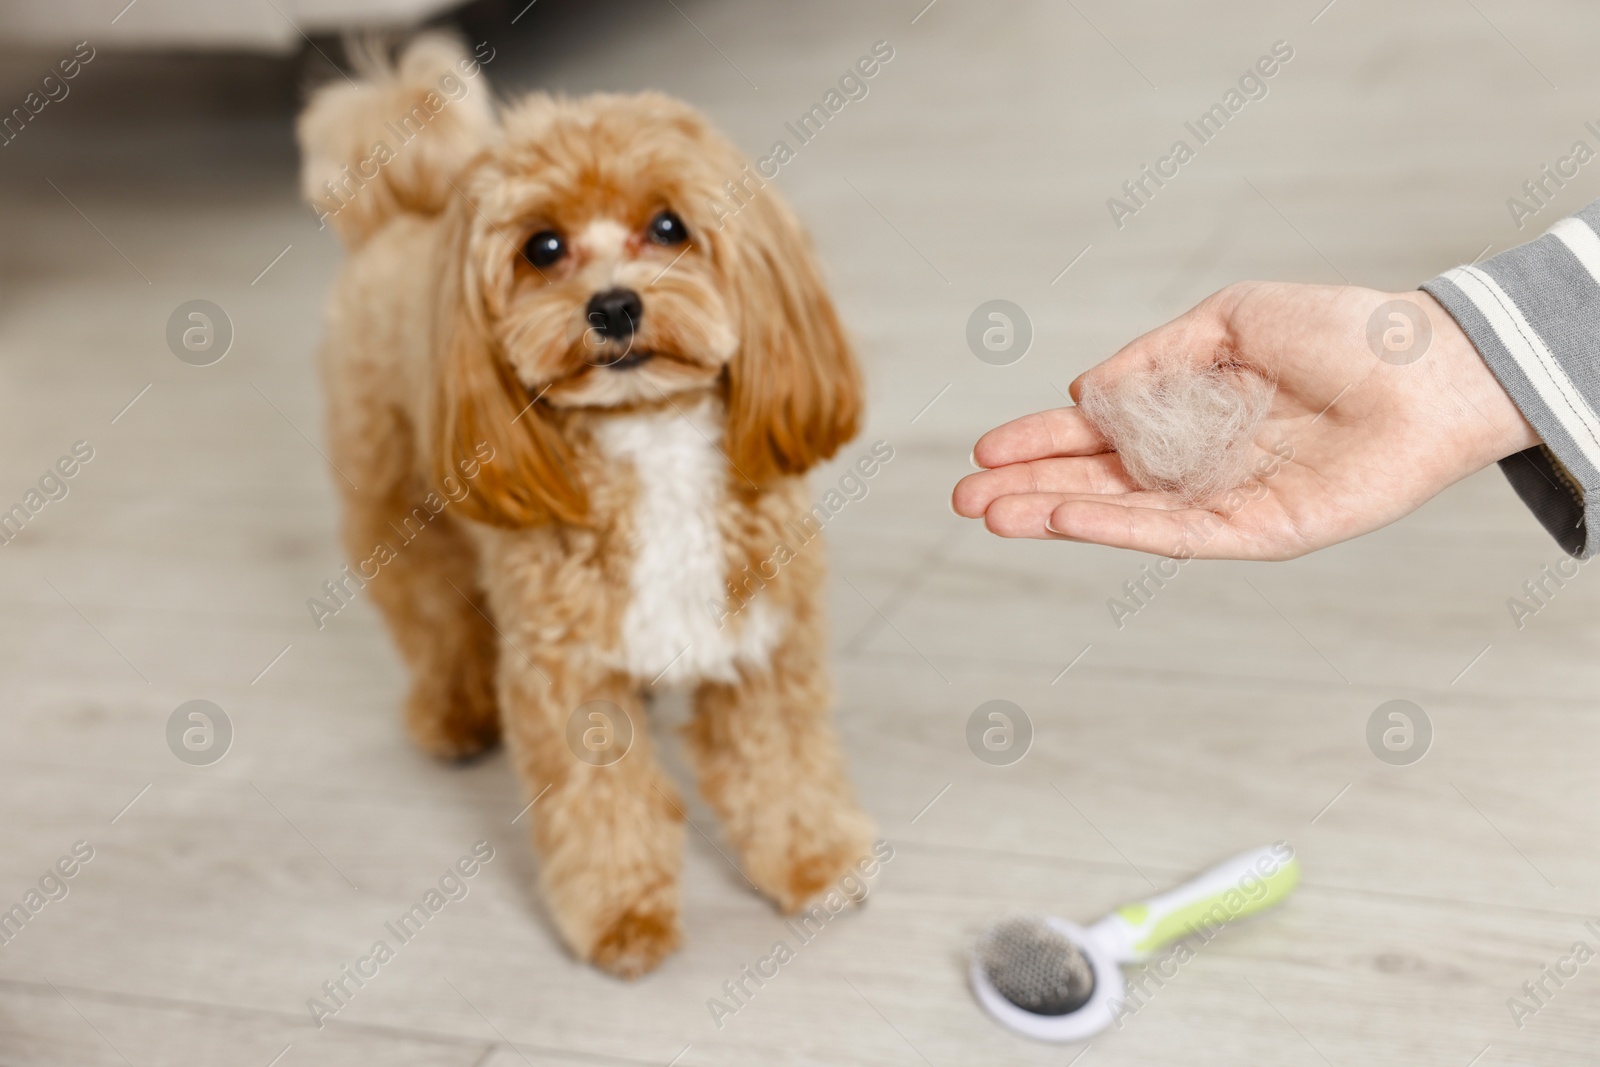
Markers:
1063,534
972,458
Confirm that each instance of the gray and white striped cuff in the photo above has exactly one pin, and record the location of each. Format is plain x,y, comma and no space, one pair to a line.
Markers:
1533,313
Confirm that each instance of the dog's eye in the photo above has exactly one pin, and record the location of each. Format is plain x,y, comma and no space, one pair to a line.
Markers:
668,229
544,248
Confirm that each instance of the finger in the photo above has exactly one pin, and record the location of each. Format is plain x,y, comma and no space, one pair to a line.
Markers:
1064,431
1100,475
1058,432
1193,336
1023,516
1028,514
1178,533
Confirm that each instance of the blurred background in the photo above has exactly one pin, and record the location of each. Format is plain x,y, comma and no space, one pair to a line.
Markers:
1232,708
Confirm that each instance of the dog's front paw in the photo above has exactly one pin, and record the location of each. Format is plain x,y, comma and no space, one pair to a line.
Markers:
636,941
625,932
453,721
793,868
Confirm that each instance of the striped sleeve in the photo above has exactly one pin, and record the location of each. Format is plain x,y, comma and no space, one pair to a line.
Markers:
1533,312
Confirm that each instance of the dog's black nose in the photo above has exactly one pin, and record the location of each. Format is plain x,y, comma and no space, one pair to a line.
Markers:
615,313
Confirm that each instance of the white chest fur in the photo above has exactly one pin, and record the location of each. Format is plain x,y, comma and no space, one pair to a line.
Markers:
679,568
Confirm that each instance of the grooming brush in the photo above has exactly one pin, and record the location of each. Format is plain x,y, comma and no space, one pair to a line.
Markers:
1057,981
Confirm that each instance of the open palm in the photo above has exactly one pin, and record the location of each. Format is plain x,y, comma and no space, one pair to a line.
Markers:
1352,441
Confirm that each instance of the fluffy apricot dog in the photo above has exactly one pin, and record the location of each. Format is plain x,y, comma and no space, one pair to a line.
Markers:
619,386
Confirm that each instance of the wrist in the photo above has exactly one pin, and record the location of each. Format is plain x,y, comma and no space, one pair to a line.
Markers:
1491,426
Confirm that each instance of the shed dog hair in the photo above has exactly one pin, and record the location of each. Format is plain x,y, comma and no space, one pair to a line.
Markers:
1181,427
539,304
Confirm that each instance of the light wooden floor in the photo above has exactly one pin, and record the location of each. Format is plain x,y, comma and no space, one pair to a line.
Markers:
1230,712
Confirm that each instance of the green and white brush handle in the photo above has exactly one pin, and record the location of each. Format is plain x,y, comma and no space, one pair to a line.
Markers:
1238,886
1057,981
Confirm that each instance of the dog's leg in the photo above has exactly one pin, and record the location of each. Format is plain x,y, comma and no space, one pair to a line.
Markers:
423,577
606,821
769,764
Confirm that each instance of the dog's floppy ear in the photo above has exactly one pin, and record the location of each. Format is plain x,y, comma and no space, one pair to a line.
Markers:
486,421
794,390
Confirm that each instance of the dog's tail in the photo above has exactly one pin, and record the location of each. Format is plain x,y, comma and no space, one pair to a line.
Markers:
393,141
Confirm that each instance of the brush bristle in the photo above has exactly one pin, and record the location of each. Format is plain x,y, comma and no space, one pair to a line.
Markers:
1036,967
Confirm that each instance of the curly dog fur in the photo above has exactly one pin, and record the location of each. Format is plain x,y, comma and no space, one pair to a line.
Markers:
619,475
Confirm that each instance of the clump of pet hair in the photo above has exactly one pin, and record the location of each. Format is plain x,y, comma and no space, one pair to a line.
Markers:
1181,427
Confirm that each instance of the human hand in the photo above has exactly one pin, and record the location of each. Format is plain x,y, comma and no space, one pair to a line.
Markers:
1350,444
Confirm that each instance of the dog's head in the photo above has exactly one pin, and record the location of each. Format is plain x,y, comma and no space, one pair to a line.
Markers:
597,259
